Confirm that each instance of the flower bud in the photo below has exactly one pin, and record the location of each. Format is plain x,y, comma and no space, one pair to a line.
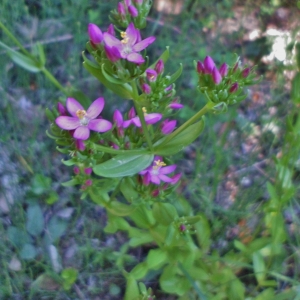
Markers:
246,72
95,34
88,182
127,2
111,30
217,78
76,170
155,193
234,87
131,113
88,171
61,109
118,118
200,67
175,105
151,75
133,11
159,67
121,9
168,126
146,88
112,53
223,70
79,145
209,64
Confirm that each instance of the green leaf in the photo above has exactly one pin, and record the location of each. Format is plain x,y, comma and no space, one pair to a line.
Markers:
295,91
122,90
69,162
119,209
41,53
132,290
236,290
71,182
110,77
128,190
156,259
180,141
259,266
139,271
35,220
22,60
123,165
176,75
55,229
28,252
164,57
40,184
164,213
69,277
297,46
18,237
145,238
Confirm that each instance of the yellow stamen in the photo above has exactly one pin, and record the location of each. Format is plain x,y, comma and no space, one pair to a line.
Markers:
158,163
80,113
125,38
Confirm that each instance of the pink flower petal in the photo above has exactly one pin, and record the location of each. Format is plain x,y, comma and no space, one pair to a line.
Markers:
95,109
131,34
165,178
136,121
82,133
99,125
127,123
143,44
112,41
135,58
168,169
153,118
155,179
73,106
67,123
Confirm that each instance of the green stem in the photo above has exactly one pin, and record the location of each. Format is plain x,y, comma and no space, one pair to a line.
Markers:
54,81
189,122
141,114
12,37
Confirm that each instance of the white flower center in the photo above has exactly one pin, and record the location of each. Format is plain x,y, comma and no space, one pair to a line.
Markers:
82,116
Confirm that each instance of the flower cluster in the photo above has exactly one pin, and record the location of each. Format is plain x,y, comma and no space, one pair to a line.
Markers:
223,85
129,11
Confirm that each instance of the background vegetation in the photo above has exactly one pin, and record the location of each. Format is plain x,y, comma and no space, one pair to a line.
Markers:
229,173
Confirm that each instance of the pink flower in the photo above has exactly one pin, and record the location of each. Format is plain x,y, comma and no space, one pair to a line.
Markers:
83,121
146,88
135,120
151,75
159,67
130,45
157,172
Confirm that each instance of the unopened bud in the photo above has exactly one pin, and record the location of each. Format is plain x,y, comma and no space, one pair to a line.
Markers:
209,64
217,78
234,87
133,11
223,70
95,34
200,67
146,88
159,67
246,72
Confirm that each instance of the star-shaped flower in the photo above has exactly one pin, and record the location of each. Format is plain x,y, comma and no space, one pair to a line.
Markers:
130,44
83,121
